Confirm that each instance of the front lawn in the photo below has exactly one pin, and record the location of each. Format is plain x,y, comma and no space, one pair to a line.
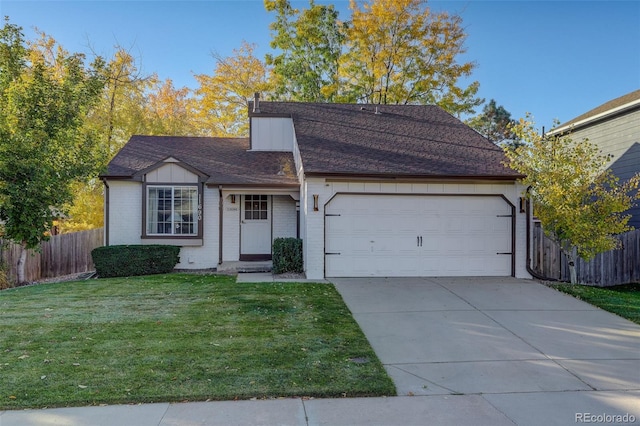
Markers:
623,300
180,337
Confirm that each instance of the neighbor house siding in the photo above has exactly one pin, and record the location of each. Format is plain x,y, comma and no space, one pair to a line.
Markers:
614,136
125,212
619,137
314,227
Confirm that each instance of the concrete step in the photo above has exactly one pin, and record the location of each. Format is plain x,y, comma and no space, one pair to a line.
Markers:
244,266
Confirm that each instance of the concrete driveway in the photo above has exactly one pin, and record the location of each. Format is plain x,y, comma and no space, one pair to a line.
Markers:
536,355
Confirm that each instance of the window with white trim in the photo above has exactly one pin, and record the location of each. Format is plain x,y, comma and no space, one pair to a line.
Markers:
172,210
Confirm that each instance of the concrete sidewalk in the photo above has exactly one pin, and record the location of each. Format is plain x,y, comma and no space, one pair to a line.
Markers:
539,408
462,351
439,410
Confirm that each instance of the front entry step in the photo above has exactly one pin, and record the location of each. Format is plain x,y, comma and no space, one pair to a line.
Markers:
245,266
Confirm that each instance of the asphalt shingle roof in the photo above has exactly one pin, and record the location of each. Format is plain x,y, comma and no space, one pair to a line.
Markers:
607,106
224,160
408,141
399,140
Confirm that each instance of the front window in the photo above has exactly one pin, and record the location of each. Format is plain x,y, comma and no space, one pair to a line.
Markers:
172,210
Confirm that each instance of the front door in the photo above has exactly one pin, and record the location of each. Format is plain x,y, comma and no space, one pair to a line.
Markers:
255,227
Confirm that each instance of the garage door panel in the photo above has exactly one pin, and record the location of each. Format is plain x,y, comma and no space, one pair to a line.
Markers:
403,235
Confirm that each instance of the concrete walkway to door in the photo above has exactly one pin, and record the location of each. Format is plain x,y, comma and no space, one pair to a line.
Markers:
535,354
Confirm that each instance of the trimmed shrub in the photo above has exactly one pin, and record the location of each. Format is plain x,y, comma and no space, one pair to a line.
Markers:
131,260
287,255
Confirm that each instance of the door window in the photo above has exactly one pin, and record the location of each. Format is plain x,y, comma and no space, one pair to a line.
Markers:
255,207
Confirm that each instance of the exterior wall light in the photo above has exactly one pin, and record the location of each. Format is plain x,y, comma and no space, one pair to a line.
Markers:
315,202
233,198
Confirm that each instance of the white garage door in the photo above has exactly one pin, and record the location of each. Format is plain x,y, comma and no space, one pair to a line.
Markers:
417,235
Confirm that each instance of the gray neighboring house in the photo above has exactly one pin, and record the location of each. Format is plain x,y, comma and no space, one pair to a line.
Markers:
615,127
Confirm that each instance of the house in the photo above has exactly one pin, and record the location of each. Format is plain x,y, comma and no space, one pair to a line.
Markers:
615,128
388,190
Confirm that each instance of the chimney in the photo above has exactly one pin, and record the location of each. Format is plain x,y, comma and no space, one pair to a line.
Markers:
256,102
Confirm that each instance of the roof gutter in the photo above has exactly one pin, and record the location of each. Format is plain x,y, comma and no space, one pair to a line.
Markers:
395,177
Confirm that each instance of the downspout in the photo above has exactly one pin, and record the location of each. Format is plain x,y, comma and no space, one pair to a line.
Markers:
530,270
106,211
220,208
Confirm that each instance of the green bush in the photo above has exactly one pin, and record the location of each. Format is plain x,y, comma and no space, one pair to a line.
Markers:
287,255
131,260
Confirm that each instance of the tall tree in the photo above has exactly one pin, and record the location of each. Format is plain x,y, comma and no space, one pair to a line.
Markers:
580,204
310,44
495,123
400,52
44,147
170,111
120,112
222,97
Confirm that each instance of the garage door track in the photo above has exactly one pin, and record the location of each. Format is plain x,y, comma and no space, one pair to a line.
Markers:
530,351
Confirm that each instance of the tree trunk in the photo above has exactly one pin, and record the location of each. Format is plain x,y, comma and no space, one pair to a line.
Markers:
22,260
572,272
571,257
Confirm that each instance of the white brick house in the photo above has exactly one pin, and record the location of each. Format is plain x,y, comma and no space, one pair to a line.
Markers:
372,191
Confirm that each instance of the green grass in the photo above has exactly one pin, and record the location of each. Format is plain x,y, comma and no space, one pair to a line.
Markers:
623,300
180,337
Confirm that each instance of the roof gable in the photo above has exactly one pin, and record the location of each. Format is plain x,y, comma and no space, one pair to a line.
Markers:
172,170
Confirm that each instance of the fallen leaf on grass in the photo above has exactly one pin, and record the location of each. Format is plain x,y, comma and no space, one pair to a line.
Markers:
23,357
82,386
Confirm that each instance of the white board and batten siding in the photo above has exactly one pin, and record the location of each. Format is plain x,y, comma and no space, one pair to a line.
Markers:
413,229
171,172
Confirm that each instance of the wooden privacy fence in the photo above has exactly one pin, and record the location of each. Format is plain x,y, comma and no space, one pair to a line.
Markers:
621,266
62,255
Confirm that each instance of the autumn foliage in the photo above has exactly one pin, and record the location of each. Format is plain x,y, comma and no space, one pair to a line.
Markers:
581,205
387,51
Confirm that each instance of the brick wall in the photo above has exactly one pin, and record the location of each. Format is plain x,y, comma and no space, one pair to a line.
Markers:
284,216
125,212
